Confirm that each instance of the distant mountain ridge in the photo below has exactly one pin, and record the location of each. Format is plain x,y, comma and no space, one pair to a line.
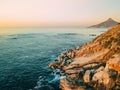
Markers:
108,23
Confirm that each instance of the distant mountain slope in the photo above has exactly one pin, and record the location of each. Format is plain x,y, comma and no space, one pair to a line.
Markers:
108,23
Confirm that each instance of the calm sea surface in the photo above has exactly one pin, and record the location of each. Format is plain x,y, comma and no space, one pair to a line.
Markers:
26,52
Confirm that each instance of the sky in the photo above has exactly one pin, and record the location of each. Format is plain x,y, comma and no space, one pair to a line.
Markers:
57,12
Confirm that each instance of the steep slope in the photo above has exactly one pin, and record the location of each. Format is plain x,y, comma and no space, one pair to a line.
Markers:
95,65
108,23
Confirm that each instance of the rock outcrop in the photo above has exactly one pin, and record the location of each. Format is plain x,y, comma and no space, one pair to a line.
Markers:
93,66
108,23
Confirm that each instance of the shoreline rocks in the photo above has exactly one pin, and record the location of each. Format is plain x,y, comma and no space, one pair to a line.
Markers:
93,66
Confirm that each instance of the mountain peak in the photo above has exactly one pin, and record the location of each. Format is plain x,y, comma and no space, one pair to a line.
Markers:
110,19
108,23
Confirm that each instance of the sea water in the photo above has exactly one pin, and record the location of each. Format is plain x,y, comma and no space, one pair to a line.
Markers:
26,52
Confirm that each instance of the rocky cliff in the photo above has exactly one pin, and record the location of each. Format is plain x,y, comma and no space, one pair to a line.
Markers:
108,23
93,66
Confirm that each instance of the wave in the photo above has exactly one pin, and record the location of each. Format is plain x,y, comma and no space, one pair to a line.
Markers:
50,82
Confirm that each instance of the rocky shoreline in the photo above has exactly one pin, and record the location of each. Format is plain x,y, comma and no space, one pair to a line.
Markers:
93,66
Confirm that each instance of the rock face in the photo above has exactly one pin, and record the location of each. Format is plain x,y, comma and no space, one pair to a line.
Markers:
108,23
93,66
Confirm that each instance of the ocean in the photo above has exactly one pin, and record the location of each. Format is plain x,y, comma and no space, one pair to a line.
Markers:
26,52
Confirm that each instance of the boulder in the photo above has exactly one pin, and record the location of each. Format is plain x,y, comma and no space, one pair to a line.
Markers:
103,78
100,69
87,76
114,63
65,85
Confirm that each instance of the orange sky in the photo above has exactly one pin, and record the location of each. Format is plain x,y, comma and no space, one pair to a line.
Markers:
57,12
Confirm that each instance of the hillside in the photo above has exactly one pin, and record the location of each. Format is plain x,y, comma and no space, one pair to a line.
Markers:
108,23
95,65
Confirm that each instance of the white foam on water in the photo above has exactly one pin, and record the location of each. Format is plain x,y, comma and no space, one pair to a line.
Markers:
62,77
56,74
41,79
39,83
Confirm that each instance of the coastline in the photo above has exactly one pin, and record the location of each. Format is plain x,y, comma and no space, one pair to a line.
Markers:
93,65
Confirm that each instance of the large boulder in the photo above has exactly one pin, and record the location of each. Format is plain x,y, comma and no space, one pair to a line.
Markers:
103,80
114,63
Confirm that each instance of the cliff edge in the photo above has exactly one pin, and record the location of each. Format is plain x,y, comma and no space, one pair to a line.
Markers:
93,66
